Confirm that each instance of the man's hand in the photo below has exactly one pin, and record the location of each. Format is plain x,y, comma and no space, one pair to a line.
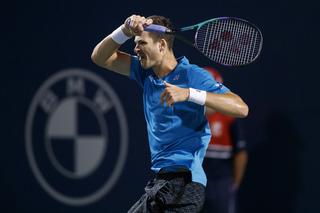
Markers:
134,25
173,94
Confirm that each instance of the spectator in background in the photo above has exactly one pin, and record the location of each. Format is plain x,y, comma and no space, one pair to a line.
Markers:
225,161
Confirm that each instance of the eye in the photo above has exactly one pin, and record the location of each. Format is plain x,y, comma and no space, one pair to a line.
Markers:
142,43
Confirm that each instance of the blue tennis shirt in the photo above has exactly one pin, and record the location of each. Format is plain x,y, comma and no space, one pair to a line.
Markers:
178,135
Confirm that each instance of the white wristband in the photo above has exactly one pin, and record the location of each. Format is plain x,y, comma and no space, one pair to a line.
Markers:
197,96
118,36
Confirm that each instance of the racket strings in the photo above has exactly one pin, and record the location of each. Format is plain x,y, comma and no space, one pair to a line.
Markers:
229,41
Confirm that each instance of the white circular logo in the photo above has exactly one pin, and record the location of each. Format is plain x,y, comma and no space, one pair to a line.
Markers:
76,137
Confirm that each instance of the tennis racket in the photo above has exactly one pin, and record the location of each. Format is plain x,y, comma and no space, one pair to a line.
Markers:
227,40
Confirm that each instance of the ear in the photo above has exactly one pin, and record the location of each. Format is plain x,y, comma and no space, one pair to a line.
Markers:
162,45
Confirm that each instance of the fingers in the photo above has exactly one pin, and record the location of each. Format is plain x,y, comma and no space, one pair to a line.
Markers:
149,21
163,96
167,96
135,24
170,101
173,94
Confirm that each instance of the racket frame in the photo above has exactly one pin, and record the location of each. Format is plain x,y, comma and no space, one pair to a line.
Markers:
175,32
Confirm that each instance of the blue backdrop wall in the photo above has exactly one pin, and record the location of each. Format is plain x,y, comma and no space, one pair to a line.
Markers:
44,40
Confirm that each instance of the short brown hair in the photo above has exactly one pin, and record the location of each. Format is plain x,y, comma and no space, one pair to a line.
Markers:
163,21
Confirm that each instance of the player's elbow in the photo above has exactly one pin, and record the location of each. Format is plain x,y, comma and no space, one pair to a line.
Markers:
95,58
98,60
102,61
243,110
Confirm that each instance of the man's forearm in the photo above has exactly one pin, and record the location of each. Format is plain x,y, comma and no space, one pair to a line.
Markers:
228,103
107,55
104,50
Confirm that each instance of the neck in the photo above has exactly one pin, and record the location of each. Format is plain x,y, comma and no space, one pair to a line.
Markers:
166,66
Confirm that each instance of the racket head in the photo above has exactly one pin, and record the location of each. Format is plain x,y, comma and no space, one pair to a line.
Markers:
229,41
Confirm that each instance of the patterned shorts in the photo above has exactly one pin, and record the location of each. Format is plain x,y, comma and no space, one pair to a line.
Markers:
171,192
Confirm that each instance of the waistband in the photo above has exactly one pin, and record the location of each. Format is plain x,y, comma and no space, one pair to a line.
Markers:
169,175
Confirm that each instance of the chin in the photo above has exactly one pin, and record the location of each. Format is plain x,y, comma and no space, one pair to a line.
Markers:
145,66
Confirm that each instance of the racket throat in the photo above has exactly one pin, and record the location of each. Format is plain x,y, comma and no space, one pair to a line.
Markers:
188,28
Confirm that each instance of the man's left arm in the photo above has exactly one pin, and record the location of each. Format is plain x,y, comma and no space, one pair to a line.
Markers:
227,103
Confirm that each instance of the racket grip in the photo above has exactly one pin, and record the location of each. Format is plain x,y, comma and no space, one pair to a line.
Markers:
156,28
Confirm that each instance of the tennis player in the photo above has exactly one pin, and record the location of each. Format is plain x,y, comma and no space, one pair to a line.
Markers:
175,94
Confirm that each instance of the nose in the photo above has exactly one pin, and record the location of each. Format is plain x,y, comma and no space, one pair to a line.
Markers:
136,49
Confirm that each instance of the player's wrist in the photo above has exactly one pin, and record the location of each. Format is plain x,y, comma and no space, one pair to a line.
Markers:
127,31
197,96
119,35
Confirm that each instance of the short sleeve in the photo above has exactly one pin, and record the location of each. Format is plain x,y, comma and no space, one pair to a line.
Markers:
203,80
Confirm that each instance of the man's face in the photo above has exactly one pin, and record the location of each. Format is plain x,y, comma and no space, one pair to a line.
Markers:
147,50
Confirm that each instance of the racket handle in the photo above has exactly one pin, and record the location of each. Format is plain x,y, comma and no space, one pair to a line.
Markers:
156,28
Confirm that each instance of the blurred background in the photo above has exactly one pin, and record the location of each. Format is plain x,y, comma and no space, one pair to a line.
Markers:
74,135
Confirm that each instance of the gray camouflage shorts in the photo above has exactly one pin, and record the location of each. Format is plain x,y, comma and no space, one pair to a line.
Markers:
171,192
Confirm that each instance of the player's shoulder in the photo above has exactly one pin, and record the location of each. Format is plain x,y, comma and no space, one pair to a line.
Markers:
192,70
198,72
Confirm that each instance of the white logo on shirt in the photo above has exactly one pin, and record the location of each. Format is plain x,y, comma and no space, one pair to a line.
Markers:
176,77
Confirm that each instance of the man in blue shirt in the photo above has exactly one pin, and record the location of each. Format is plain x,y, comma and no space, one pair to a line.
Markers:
175,94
